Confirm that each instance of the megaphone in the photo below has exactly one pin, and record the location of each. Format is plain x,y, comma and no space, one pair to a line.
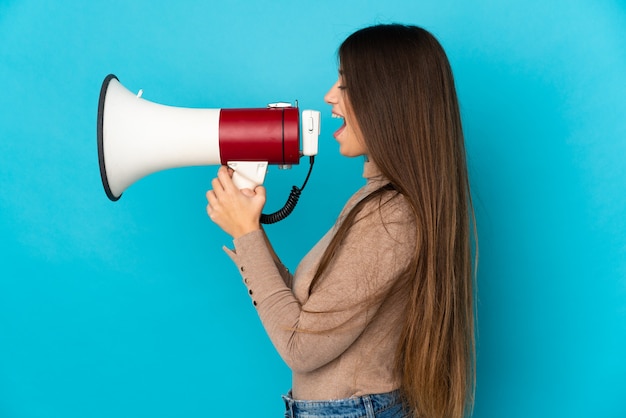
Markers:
137,137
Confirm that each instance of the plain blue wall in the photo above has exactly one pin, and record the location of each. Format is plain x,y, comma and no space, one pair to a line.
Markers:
131,309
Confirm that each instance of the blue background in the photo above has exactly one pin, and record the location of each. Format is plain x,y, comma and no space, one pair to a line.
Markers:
131,309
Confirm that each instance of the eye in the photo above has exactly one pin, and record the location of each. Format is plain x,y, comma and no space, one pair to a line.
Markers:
341,87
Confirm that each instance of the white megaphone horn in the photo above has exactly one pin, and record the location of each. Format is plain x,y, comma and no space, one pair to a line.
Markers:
137,137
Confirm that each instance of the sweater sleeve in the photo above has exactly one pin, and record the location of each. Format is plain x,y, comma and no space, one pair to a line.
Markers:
311,334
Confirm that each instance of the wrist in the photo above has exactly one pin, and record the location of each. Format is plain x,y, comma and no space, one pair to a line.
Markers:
240,232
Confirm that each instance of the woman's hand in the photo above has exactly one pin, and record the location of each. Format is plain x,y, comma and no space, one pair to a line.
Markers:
236,211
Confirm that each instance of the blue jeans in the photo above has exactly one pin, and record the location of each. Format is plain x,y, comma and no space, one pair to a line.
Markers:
383,405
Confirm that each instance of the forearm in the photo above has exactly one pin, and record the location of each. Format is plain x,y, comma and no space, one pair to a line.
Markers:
282,269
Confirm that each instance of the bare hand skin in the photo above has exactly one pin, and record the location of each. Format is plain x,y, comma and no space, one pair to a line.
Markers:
236,211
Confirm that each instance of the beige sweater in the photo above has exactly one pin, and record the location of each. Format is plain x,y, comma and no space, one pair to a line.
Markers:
334,347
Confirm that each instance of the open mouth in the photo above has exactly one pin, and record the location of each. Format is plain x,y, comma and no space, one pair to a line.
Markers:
342,127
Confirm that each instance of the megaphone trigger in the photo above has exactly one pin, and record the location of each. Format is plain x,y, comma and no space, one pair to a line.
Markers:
248,174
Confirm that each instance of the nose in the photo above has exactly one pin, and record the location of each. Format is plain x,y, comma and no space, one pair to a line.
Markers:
331,95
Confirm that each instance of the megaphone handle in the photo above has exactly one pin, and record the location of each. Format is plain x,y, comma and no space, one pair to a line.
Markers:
248,174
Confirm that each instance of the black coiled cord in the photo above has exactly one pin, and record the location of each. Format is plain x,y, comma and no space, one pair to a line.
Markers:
291,203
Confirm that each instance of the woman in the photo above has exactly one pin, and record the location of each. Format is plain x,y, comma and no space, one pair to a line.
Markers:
378,319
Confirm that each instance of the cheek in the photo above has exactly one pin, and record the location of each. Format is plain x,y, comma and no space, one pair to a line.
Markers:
357,138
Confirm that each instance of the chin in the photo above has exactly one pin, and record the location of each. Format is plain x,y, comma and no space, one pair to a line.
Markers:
345,152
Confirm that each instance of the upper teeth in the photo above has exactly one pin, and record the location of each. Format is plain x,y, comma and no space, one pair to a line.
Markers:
335,115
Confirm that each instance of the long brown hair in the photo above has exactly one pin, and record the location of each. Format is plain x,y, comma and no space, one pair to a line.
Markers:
401,91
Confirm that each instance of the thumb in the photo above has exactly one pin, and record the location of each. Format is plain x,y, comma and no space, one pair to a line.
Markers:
260,191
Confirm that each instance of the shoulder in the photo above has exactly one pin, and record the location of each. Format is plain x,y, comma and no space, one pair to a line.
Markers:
387,205
387,215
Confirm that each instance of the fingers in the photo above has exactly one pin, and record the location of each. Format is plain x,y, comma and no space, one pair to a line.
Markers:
224,176
216,184
226,196
236,212
211,198
220,183
212,201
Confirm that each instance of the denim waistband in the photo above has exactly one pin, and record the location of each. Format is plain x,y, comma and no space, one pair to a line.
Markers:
370,406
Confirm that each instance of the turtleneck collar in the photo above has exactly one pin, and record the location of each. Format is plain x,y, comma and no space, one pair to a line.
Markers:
371,170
